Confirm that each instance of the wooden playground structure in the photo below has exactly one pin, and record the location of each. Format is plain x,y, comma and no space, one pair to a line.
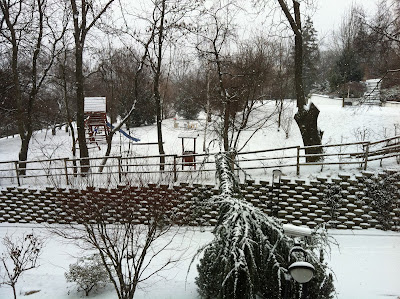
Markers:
96,127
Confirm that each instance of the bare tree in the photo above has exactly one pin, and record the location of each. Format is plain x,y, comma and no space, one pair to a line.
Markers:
85,16
63,79
25,27
139,69
251,74
166,23
214,34
283,79
159,22
21,254
306,117
242,79
128,250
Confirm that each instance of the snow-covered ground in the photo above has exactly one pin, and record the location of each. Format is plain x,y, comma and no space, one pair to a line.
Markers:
366,265
340,125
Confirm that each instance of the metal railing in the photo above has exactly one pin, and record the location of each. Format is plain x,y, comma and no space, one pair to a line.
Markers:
191,168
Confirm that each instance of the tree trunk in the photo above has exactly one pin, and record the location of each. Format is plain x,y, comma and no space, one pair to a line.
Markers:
14,291
157,98
68,114
108,151
208,110
225,100
69,123
23,153
307,123
157,95
306,118
21,110
280,109
83,150
73,146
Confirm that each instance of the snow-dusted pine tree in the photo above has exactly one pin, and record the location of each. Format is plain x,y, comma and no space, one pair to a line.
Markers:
248,257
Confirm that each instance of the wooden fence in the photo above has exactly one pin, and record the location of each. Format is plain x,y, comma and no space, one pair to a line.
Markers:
192,168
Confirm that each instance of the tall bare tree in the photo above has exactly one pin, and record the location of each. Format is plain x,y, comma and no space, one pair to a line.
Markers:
159,22
85,16
64,81
139,69
214,37
306,117
241,77
167,23
25,27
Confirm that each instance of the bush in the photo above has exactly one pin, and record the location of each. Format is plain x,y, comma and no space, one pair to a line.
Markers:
188,108
333,199
20,255
382,195
88,273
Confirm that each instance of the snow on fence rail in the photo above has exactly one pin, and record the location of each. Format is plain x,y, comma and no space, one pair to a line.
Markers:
199,168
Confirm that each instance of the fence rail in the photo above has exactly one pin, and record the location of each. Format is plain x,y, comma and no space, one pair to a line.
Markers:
198,167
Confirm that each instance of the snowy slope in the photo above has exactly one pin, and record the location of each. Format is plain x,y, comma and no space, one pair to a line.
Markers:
340,125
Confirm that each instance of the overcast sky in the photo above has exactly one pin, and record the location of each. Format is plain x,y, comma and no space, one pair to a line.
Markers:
329,13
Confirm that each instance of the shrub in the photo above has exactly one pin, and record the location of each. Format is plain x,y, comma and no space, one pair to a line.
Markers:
333,199
383,194
188,108
20,255
88,273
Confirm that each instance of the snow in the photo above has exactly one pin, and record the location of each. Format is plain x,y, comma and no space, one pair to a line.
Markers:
95,104
366,265
340,125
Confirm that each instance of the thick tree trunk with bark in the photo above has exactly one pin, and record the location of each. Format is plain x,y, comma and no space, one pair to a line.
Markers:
24,128
23,152
306,118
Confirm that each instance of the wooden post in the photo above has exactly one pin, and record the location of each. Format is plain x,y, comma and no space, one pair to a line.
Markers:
298,161
119,169
66,170
175,174
366,156
17,172
194,153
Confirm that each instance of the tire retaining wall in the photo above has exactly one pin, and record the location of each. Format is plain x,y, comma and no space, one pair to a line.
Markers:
295,201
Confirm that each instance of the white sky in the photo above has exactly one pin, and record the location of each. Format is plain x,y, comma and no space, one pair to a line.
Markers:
329,13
